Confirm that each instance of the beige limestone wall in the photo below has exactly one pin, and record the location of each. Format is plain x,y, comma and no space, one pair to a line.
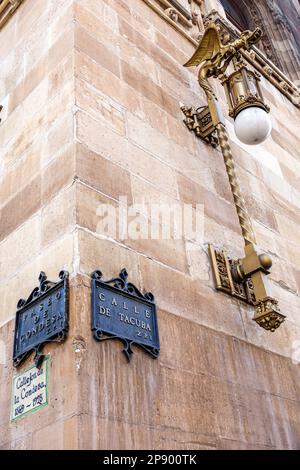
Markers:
37,194
98,119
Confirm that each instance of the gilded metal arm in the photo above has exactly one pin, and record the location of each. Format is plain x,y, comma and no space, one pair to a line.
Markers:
244,278
245,222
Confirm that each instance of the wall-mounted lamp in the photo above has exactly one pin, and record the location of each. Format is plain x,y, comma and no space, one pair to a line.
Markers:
243,278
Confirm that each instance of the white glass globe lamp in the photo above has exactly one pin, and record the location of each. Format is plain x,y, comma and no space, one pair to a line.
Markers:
252,125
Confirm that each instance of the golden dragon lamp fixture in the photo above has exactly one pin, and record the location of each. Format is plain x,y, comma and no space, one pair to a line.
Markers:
245,100
244,278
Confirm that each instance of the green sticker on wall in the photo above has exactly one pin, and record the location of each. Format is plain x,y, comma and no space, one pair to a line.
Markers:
30,390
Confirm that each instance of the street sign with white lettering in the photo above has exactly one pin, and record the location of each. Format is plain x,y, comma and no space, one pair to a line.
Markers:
121,311
42,317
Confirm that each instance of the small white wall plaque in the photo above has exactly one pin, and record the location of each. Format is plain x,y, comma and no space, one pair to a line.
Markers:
30,390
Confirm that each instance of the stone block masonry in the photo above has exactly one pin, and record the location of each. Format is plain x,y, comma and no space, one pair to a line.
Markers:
91,92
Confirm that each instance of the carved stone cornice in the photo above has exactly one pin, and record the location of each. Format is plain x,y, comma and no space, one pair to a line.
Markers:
7,8
187,22
278,15
255,57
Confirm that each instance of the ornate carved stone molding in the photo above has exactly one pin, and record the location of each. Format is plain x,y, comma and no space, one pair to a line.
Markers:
7,8
266,43
197,13
187,21
280,41
256,57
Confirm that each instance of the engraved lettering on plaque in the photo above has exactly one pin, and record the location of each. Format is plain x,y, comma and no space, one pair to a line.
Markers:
121,311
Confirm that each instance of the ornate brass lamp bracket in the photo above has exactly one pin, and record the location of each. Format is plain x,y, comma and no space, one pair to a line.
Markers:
231,279
200,122
223,269
246,278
